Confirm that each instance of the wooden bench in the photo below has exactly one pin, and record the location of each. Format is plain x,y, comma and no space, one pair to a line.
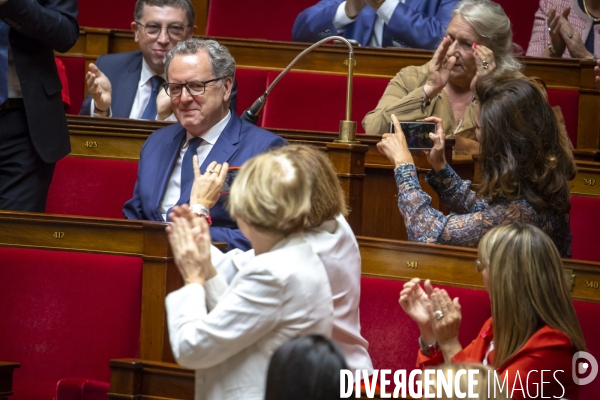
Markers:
386,265
558,74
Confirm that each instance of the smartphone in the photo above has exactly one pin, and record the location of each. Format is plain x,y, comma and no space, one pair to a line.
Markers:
417,134
231,174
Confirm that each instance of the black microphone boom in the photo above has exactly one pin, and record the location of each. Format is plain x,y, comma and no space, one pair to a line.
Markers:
347,127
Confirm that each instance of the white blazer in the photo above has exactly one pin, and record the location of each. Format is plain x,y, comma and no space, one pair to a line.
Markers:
273,297
336,246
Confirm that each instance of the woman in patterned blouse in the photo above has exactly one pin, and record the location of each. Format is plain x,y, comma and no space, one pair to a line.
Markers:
525,167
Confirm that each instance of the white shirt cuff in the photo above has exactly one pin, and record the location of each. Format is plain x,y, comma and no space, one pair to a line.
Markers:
340,19
93,107
386,10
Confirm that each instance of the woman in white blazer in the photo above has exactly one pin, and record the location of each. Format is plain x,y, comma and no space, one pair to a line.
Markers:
332,239
227,332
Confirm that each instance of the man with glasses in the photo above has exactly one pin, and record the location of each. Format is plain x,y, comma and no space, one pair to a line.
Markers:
200,79
128,85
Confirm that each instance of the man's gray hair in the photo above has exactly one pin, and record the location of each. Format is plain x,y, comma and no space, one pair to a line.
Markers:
190,13
222,63
489,20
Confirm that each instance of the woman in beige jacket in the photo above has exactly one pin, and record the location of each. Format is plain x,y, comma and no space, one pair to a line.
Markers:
478,42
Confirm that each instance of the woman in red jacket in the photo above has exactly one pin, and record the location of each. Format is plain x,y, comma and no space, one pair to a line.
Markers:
533,333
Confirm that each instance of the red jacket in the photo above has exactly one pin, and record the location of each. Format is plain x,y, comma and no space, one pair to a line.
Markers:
547,349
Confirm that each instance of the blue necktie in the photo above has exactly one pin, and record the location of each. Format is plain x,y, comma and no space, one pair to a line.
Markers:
3,61
150,111
187,172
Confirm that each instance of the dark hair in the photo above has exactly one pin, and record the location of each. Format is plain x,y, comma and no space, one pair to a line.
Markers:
305,367
523,152
190,13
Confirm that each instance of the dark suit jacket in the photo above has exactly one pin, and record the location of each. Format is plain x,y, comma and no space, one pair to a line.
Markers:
239,141
416,23
123,70
38,27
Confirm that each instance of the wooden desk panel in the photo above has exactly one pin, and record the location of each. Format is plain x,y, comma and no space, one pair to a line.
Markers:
587,180
144,239
6,378
454,266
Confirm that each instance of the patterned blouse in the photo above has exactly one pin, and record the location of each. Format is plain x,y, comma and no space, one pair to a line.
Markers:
470,217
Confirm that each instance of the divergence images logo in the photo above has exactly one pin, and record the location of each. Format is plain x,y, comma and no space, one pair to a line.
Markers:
581,368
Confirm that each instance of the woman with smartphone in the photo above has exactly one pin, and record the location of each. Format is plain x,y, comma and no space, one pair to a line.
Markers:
478,42
525,165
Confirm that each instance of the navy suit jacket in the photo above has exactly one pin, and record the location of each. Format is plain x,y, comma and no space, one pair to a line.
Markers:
418,24
123,70
38,27
239,141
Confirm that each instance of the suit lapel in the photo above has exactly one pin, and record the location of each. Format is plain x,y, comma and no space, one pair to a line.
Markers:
127,88
223,149
165,169
369,20
226,145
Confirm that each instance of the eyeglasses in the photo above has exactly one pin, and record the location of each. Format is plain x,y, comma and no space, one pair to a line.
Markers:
175,31
194,88
479,265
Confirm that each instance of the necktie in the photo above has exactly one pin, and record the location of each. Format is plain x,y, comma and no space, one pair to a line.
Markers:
187,172
150,111
3,61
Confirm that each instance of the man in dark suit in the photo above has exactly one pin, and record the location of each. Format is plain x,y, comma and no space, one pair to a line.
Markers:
127,85
33,127
200,75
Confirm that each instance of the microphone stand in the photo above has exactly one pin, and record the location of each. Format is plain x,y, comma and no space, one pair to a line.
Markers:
347,126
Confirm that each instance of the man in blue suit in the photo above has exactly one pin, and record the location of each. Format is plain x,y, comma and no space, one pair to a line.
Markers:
200,78
127,85
418,24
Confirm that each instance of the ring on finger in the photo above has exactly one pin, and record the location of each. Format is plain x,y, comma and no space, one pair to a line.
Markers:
438,314
570,35
211,171
485,64
549,29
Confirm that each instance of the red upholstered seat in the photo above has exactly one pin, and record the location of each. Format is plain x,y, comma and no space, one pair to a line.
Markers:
521,15
113,14
81,389
568,100
66,314
585,227
252,83
91,187
310,101
75,68
393,336
257,19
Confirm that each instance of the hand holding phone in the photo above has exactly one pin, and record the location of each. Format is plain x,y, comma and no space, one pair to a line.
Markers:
417,134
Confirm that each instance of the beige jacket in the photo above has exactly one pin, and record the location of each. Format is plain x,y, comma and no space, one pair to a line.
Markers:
404,97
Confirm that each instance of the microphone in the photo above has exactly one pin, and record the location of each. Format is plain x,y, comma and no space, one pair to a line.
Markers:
347,127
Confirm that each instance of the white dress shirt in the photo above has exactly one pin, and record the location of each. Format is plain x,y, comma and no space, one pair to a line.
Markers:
274,297
384,14
336,246
140,101
173,191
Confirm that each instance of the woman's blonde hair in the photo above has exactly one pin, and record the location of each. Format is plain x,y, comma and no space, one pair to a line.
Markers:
528,289
481,389
327,199
490,22
272,194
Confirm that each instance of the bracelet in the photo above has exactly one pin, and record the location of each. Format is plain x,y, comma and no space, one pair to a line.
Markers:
99,112
428,350
201,211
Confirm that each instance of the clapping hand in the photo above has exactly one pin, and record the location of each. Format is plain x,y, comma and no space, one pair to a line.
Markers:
445,315
189,237
99,88
555,19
